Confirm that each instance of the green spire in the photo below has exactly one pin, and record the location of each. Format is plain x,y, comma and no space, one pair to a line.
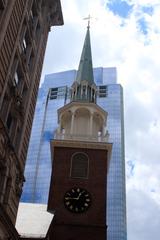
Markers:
85,69
84,88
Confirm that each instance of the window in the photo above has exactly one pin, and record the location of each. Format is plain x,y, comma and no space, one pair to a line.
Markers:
31,60
9,120
16,79
33,15
24,45
25,42
18,135
34,10
2,4
38,27
24,92
18,75
102,91
68,93
58,93
79,165
53,93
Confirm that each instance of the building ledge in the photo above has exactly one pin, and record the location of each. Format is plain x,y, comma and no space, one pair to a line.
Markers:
76,137
81,144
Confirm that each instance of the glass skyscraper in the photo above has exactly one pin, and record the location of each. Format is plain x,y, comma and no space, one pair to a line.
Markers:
53,94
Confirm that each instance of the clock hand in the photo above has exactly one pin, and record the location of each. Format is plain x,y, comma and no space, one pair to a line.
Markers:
71,198
80,194
77,198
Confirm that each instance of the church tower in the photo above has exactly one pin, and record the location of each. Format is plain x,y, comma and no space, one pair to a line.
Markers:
81,154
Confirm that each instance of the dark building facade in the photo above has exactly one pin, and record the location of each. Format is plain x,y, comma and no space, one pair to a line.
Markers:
24,28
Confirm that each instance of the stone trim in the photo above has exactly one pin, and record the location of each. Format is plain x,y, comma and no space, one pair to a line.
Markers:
81,144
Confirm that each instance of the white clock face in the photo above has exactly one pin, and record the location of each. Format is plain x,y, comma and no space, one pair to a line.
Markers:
77,200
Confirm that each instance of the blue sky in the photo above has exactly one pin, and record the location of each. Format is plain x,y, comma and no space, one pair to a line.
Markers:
124,10
121,8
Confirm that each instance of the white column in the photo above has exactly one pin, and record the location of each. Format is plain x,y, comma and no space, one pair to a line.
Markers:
81,86
72,123
104,129
86,90
60,124
91,123
104,132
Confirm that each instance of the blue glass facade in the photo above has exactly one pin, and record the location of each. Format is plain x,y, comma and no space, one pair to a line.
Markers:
53,94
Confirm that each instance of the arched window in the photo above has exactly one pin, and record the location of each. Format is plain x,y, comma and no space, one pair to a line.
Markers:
79,165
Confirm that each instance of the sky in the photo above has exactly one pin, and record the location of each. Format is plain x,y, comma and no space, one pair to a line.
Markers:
124,34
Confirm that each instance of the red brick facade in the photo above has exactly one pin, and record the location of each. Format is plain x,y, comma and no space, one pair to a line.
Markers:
92,223
70,232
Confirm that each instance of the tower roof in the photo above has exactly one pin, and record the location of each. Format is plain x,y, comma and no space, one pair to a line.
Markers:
85,69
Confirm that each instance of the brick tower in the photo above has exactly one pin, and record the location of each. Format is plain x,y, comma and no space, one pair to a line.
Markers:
81,154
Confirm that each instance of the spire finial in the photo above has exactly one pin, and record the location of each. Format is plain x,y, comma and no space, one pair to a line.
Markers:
88,18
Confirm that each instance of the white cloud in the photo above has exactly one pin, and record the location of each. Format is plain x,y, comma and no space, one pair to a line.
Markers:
143,216
144,2
136,57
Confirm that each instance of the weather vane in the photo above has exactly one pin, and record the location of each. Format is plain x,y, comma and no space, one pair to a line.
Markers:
88,18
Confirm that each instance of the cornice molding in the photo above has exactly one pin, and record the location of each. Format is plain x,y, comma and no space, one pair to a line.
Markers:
81,144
